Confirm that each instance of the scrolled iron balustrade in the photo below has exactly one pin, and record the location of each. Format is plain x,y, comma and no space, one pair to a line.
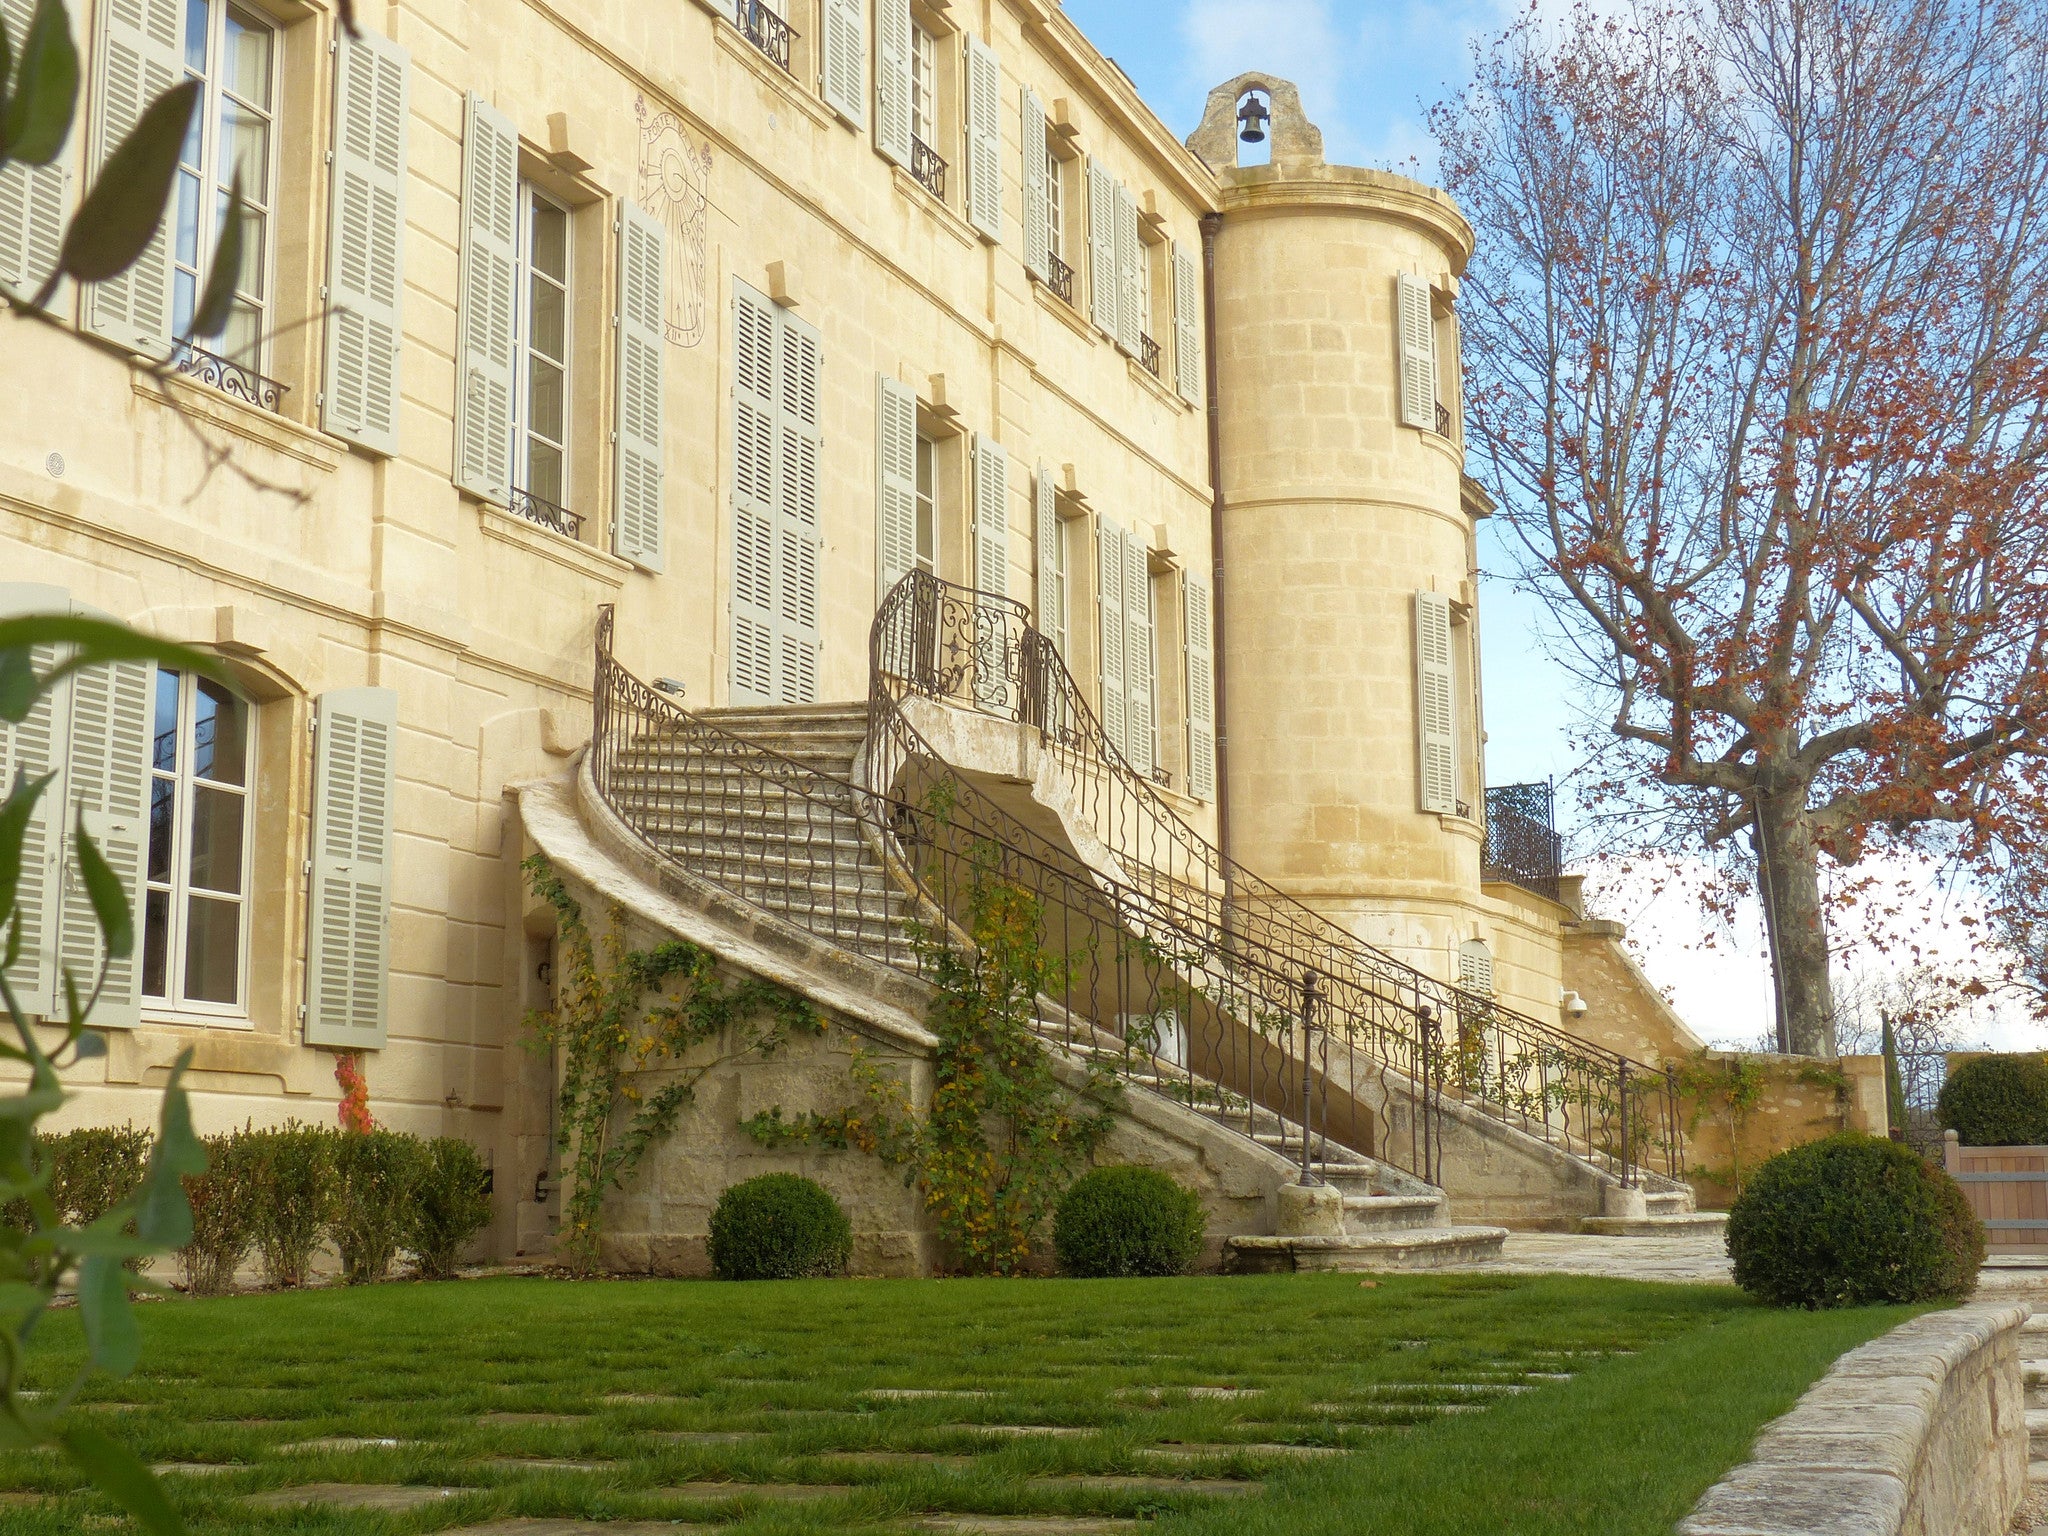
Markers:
929,167
765,29
1148,354
1059,277
1443,419
1522,844
546,514
229,377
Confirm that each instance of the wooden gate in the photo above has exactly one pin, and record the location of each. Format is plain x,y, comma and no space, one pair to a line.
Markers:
2007,1188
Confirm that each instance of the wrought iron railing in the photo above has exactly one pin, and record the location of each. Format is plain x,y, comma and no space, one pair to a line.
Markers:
928,166
1059,277
229,377
765,29
1443,419
1522,844
1148,354
979,651
546,514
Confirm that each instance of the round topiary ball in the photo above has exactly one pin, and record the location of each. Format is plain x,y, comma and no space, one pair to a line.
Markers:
1127,1221
778,1227
1997,1101
1853,1220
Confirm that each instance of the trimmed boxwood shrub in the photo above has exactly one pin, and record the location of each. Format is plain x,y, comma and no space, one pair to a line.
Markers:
779,1227
223,1203
1997,1101
291,1181
1852,1220
451,1205
376,1176
1127,1221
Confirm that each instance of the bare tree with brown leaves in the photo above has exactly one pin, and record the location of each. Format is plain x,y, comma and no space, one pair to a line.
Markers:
1757,350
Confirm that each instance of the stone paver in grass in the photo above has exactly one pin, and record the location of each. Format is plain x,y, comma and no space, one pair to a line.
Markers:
1213,1487
532,1418
1182,1451
1157,1394
530,1525
1067,1430
701,1436
546,1464
1026,1525
196,1468
913,1394
328,1443
391,1497
776,1493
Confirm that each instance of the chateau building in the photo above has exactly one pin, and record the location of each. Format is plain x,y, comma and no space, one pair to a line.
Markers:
810,398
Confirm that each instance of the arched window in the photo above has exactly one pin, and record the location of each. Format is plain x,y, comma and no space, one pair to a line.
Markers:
196,882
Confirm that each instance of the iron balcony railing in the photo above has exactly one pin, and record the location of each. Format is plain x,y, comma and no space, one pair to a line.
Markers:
1522,845
1059,277
1148,354
229,377
546,514
765,29
1443,419
928,166
979,651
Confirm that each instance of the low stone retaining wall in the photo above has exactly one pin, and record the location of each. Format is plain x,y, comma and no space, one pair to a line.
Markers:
1920,1433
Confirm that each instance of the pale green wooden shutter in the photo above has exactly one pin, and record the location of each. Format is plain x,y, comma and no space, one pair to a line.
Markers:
754,623
139,53
892,80
896,484
1102,266
800,531
1037,195
1201,663
366,241
485,329
991,517
637,398
1435,710
1187,325
1112,562
1129,251
1418,353
845,73
31,749
1045,520
348,952
1141,714
1475,967
32,197
984,139
107,782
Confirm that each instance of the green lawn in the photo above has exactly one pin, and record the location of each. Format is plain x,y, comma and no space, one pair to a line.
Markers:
1466,1405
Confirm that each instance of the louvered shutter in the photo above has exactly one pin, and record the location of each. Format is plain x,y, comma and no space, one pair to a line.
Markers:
1102,266
107,781
753,498
1112,557
896,487
31,196
366,241
991,517
800,535
1045,519
348,951
1475,967
984,139
490,219
1201,663
1037,196
892,80
1187,325
844,77
139,49
637,399
1131,319
1418,353
1434,710
1141,714
31,749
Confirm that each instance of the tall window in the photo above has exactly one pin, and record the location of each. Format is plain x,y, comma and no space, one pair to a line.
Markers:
234,57
1062,584
924,86
927,506
1055,202
540,430
194,932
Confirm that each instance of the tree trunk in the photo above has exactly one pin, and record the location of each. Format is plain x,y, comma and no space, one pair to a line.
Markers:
1788,880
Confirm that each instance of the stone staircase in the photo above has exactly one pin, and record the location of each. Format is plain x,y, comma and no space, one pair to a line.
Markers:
2034,1373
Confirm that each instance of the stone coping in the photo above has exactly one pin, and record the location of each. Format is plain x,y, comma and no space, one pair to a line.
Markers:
1918,1431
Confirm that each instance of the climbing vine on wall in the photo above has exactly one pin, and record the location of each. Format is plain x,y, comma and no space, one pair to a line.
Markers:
1002,1138
1728,1087
621,1013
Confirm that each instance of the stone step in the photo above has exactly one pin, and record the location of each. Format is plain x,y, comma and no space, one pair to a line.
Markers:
670,756
1671,1202
1691,1224
1415,1248
1368,1214
2037,1431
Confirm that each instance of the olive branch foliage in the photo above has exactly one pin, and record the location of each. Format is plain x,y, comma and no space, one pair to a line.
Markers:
623,1012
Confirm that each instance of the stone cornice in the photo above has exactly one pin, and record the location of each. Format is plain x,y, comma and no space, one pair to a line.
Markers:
1259,191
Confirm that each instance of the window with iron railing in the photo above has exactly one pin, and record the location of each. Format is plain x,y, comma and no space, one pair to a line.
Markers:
929,167
229,377
1148,354
1522,844
543,513
1059,277
764,27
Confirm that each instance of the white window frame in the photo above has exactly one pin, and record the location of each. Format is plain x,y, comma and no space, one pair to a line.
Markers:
522,340
206,127
1055,200
924,85
172,1005
1060,620
927,542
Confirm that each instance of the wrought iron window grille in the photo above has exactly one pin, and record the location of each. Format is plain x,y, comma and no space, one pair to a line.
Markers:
229,377
1162,775
1443,419
1522,845
543,513
1148,354
764,29
929,167
1059,277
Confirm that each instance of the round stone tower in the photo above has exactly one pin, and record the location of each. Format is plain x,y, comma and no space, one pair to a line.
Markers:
1347,555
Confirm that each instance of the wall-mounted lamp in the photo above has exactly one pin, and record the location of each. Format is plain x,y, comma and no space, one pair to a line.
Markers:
669,685
1254,116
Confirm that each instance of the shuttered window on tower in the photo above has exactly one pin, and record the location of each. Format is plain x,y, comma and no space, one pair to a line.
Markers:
1417,328
365,242
1435,704
486,325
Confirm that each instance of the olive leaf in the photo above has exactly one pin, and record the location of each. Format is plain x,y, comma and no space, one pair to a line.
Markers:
109,900
212,316
117,1473
37,118
120,215
19,806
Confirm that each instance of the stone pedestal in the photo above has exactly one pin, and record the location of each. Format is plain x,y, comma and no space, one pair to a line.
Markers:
1311,1210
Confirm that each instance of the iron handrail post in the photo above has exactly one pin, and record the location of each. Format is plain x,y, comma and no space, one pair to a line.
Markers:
1627,1152
1308,1024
